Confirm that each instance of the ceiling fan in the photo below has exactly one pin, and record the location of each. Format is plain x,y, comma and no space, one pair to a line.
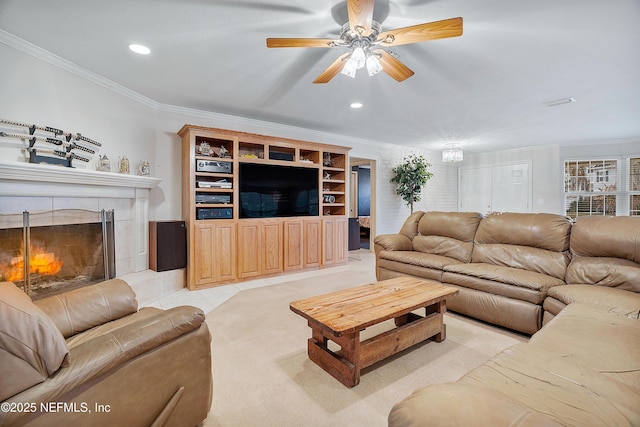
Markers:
364,36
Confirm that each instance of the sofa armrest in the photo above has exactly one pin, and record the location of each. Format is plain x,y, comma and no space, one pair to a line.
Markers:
393,242
456,404
100,355
81,309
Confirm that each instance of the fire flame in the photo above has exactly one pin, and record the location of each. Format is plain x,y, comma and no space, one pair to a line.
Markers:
40,262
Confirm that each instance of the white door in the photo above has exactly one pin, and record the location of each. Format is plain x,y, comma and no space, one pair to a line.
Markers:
502,188
510,188
474,193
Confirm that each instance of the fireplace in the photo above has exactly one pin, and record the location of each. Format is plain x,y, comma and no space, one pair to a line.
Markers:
62,192
74,251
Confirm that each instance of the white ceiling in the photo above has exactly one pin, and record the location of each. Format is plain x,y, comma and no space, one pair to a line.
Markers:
486,90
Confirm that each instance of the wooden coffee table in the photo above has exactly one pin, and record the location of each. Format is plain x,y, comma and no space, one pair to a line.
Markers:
341,316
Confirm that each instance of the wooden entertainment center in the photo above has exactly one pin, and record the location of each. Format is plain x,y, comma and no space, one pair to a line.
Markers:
225,244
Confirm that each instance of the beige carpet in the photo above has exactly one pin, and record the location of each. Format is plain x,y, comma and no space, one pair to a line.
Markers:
262,376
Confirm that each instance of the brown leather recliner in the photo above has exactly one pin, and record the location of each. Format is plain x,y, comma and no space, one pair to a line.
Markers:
90,357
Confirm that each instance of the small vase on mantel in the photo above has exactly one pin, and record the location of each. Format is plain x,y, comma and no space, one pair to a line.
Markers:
124,165
104,164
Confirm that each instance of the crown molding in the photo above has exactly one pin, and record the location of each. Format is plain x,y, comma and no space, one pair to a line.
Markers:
50,58
273,128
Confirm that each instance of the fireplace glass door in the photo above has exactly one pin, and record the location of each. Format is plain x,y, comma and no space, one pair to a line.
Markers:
46,253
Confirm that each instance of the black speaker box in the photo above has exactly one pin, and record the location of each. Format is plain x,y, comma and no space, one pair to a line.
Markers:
167,245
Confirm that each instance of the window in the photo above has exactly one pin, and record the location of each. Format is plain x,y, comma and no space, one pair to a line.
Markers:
602,187
634,186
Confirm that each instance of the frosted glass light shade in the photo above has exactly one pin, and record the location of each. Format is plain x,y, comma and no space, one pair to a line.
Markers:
349,68
453,154
358,57
373,65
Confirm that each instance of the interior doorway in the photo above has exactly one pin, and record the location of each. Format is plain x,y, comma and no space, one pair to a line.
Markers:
362,206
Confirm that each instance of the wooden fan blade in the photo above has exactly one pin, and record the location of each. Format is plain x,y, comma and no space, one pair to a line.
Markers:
360,15
332,70
297,42
390,65
422,32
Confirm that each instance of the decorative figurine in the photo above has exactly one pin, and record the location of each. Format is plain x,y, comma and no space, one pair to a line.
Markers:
104,164
224,153
327,176
124,165
204,149
145,169
327,160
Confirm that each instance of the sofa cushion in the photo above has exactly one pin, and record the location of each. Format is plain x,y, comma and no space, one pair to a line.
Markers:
31,346
604,271
607,236
542,261
538,230
536,242
611,299
456,225
557,385
418,258
508,275
444,246
427,266
594,337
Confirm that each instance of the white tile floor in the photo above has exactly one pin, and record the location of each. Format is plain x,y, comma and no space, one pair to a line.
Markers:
208,299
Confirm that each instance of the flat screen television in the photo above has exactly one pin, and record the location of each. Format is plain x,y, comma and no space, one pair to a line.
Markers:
268,191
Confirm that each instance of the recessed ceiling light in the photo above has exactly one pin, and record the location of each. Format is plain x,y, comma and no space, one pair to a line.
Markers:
138,48
356,105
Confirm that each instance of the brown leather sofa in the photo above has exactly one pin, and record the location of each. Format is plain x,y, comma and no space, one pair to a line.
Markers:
90,357
581,369
502,264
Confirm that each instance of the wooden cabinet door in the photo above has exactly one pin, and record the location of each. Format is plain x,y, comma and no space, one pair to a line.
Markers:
341,240
334,240
249,248
312,245
272,249
204,254
293,244
225,251
260,247
214,253
328,241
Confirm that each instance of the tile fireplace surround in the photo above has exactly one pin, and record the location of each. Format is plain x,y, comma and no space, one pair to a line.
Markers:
40,188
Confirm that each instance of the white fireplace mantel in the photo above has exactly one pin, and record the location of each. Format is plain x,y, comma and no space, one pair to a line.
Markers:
29,179
75,186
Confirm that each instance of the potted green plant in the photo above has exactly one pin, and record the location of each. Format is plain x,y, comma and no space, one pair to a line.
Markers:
411,176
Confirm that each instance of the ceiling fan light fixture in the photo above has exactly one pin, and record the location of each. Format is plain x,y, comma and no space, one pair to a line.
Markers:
373,65
362,34
358,57
349,69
